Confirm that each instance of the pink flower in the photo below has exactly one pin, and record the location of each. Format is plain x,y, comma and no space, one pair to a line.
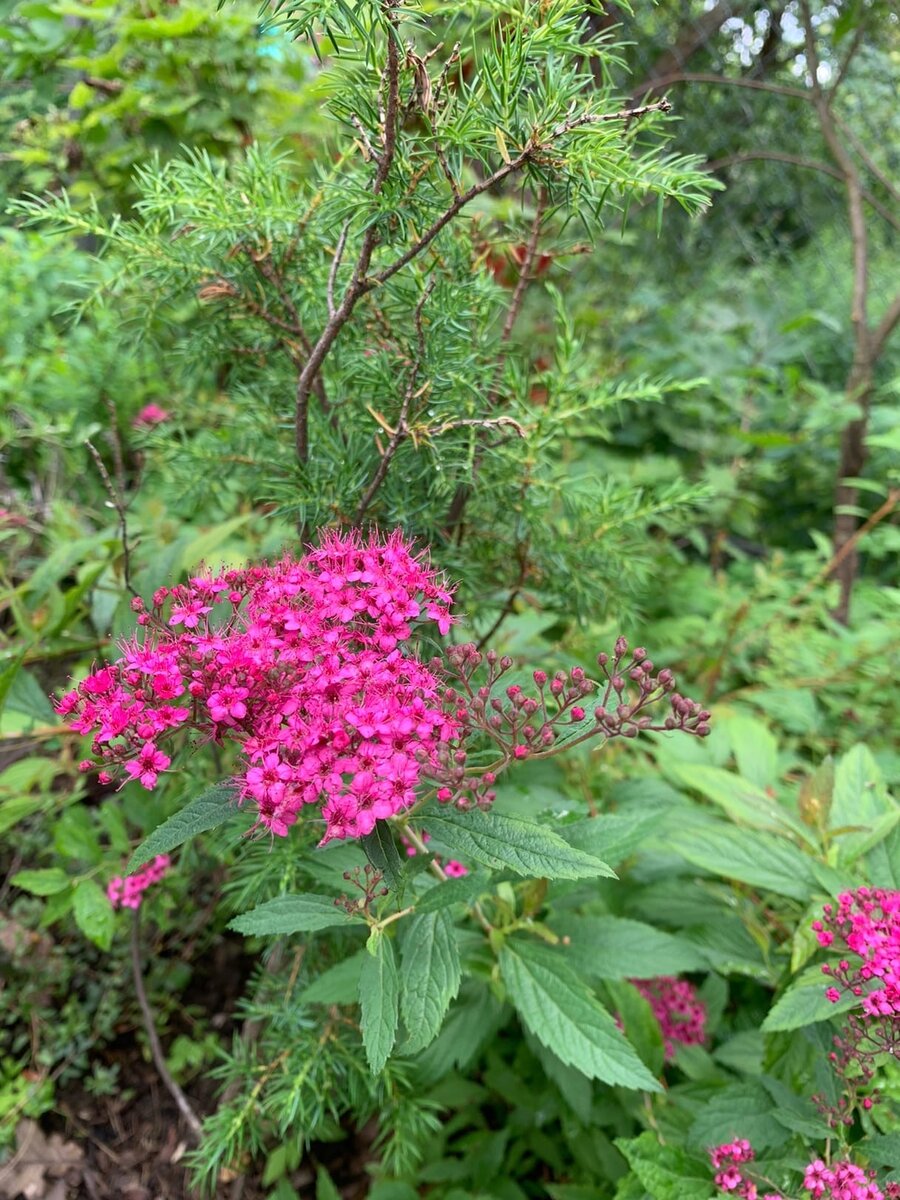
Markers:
682,1018
150,414
128,892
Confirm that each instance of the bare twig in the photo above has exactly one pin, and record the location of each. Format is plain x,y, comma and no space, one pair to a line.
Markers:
885,510
358,283
476,422
885,328
182,1102
411,393
810,164
758,85
118,503
335,267
370,154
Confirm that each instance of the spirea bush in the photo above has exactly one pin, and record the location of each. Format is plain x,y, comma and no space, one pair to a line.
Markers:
527,915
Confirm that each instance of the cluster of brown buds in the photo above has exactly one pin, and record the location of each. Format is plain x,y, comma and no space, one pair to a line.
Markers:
550,714
368,881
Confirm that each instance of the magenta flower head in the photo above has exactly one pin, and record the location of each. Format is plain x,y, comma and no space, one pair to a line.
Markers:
128,892
150,415
307,664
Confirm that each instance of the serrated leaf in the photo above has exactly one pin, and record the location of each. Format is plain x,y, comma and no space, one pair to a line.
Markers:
666,1172
290,914
7,677
452,891
746,1107
619,948
42,883
379,996
94,914
743,800
429,976
565,1016
509,842
338,985
748,856
805,1003
381,851
611,837
209,810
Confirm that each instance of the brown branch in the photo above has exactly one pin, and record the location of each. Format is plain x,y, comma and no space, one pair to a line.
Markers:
759,85
335,267
810,164
859,380
849,546
692,37
845,65
156,1050
884,329
869,163
411,393
358,283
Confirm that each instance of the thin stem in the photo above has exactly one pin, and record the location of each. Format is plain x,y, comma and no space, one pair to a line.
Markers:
118,503
411,393
159,1059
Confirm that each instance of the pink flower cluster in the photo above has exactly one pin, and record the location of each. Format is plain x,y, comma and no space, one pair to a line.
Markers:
845,1181
867,924
842,1181
304,664
681,1014
127,892
452,869
727,1161
150,415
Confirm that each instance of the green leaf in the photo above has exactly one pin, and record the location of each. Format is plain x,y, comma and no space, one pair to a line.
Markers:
509,842
641,1027
619,948
805,1003
291,914
797,1113
565,1016
210,809
755,749
325,1189
611,837
94,914
25,695
338,985
745,855
42,883
744,801
379,996
429,975
859,799
381,851
448,892
745,1108
666,1172
7,677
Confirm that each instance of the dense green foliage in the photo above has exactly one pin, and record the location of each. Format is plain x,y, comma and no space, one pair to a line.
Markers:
610,395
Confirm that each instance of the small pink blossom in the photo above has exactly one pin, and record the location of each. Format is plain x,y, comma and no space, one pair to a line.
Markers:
681,1014
150,415
128,892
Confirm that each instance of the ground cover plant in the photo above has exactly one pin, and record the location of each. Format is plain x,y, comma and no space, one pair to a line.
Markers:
439,753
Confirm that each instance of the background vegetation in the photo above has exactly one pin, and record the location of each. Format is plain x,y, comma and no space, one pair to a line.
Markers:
605,403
